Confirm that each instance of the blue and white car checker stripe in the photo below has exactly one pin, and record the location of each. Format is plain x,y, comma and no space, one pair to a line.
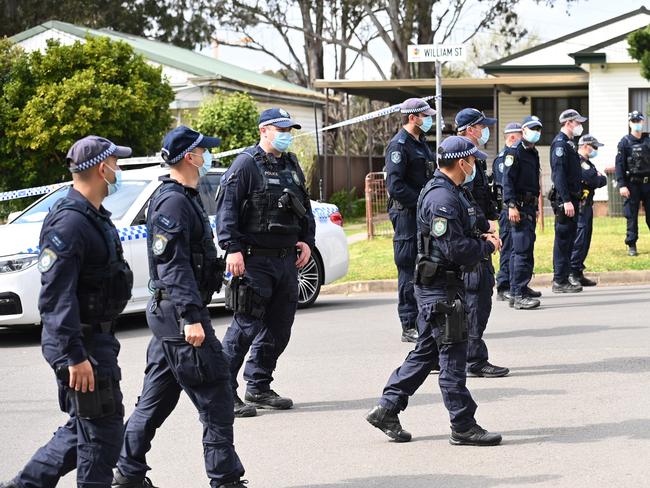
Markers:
137,232
42,190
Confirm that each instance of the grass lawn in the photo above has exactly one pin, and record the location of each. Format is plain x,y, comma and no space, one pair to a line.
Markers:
373,260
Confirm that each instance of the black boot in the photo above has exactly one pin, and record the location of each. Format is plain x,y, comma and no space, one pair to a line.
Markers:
234,484
529,292
503,294
526,303
631,250
388,423
476,436
581,279
243,410
121,481
409,333
567,287
268,399
489,371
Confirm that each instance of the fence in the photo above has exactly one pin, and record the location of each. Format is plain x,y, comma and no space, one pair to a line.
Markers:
376,206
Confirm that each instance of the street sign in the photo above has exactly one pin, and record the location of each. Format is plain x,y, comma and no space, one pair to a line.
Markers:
418,53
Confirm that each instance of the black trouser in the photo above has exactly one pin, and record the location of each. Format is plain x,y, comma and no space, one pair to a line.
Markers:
639,192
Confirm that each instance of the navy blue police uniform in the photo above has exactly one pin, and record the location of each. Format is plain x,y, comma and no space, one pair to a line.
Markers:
591,180
447,245
521,191
409,165
479,283
86,283
252,219
184,274
566,174
633,172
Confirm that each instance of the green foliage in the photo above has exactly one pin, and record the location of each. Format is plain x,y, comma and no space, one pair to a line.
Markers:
230,116
305,149
639,49
349,205
48,100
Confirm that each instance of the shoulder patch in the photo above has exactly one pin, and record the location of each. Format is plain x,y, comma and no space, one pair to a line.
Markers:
444,211
585,165
500,167
559,151
57,241
439,226
571,144
396,157
159,244
165,222
46,260
509,161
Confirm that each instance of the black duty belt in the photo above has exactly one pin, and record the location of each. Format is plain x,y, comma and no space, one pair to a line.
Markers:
281,252
640,179
107,327
527,199
161,294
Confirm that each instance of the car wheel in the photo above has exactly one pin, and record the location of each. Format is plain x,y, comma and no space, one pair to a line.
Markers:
310,278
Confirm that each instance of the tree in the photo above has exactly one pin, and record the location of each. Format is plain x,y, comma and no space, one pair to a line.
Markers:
48,100
231,117
639,49
186,23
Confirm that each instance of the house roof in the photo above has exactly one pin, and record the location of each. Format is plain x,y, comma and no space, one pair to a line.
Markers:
186,60
503,64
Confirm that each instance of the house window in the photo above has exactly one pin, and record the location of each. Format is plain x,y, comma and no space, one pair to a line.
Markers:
548,109
640,100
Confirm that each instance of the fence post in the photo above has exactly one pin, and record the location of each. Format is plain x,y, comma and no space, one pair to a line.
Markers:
369,224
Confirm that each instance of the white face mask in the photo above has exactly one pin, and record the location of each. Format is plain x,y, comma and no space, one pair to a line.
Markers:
577,130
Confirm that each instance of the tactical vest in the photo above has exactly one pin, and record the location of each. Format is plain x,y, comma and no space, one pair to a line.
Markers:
102,290
206,266
272,209
638,162
427,245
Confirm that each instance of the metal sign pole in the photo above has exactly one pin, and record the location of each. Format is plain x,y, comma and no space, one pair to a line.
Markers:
438,106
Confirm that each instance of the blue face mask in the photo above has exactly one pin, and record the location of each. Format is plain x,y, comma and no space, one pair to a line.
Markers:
427,123
636,127
470,177
485,136
207,163
593,153
117,184
282,141
531,136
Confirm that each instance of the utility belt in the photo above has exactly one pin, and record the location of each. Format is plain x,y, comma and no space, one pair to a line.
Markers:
427,272
107,327
639,179
281,252
161,294
243,298
526,199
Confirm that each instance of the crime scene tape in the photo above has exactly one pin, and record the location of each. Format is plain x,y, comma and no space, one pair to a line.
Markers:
42,190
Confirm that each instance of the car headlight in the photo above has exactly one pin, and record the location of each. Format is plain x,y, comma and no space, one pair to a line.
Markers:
17,262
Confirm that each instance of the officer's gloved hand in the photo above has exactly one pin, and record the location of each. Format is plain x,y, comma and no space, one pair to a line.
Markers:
194,334
303,255
235,263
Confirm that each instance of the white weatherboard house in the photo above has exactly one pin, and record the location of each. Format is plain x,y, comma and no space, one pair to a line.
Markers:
612,85
193,76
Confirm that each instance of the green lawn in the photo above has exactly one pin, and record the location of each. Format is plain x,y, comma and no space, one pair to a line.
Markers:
373,260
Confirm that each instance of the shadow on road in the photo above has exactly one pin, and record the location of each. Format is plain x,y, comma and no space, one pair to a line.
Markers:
555,331
353,302
433,480
607,303
629,365
481,395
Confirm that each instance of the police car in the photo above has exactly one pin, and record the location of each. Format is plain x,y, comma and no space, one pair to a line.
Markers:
20,278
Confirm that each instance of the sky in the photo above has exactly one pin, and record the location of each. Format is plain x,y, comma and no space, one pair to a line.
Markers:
545,23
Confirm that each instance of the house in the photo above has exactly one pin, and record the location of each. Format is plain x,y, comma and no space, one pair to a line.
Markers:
589,70
192,75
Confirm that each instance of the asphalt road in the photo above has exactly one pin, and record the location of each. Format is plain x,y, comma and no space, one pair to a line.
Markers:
574,412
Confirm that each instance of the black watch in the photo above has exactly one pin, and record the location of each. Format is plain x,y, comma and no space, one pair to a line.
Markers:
512,205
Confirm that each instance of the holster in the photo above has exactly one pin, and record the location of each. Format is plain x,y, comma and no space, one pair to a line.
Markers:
454,328
242,298
425,270
92,404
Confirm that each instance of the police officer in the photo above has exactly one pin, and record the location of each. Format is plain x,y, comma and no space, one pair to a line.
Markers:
86,283
633,177
566,175
591,179
409,165
479,283
512,135
267,228
183,354
521,172
448,243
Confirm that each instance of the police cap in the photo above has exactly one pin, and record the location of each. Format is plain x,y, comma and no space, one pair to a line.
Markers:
471,116
92,150
277,117
182,140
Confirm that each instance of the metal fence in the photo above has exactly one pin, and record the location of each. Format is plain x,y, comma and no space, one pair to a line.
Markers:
376,206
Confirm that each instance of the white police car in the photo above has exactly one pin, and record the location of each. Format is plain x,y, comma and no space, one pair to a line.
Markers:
20,278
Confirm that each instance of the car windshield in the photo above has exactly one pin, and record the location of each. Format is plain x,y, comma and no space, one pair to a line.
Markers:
117,204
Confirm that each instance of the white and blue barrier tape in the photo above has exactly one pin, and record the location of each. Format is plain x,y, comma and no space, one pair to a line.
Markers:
42,190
